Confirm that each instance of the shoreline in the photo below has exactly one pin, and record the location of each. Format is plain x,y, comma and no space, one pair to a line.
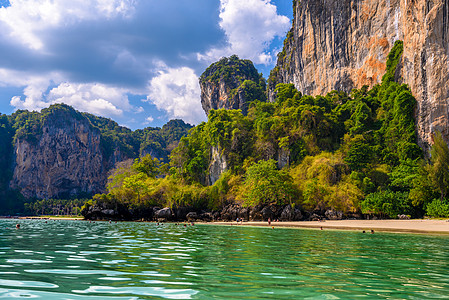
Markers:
423,226
417,226
51,218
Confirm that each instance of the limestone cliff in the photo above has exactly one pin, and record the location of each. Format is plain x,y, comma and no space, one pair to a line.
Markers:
230,83
340,45
217,166
65,159
60,152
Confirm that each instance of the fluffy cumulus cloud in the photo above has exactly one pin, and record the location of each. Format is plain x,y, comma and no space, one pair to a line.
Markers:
177,92
95,98
250,27
27,19
99,56
98,99
35,85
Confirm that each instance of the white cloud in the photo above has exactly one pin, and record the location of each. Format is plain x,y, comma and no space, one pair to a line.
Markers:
34,87
94,54
177,92
94,98
28,18
250,27
149,120
33,97
98,99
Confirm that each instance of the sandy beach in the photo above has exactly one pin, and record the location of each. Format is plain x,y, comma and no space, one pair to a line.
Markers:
51,218
407,226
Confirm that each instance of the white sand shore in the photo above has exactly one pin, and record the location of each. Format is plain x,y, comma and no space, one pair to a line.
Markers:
52,218
411,226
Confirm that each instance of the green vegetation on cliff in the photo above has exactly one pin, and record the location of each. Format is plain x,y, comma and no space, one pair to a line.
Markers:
233,79
115,140
352,153
11,202
229,69
154,140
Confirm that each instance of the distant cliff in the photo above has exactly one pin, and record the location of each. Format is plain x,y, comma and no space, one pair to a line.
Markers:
63,158
61,153
231,83
340,45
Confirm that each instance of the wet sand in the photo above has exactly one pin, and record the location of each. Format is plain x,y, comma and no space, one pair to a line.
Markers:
52,218
410,226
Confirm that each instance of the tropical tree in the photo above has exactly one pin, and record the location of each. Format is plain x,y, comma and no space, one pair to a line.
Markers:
265,184
440,164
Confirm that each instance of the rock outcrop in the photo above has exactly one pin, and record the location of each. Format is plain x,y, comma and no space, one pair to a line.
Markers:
229,84
65,159
341,45
60,152
218,165
120,211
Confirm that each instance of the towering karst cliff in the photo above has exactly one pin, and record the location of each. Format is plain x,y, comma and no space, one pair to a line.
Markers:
61,152
62,158
340,45
231,83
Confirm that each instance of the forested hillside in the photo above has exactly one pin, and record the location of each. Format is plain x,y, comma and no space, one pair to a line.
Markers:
65,154
335,155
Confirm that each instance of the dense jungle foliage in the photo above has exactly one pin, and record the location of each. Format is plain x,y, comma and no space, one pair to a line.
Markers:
353,153
55,207
26,125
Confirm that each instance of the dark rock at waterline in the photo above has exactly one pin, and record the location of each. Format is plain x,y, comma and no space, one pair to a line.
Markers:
180,212
315,217
255,213
333,214
229,213
258,213
269,212
232,212
164,214
263,213
206,216
106,211
216,215
290,213
192,216
141,213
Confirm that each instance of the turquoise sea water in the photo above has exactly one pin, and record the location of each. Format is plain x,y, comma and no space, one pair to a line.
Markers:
82,260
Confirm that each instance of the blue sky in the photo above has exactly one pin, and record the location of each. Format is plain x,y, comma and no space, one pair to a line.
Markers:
134,61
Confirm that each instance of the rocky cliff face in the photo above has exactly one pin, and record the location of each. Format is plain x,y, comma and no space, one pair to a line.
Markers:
64,160
218,165
60,152
340,45
218,95
229,84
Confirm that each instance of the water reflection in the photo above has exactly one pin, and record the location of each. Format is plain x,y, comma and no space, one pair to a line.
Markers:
82,260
